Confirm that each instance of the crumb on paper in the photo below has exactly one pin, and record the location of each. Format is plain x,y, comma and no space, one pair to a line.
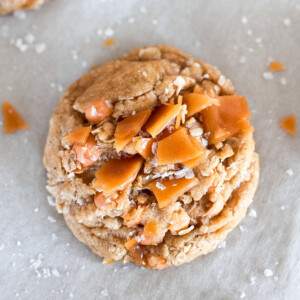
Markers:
109,42
268,273
288,124
275,66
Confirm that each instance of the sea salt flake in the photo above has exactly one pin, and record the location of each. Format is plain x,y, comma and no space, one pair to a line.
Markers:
249,32
36,210
54,237
40,48
282,207
19,14
253,280
104,293
71,176
252,213
29,38
275,278
18,243
55,272
242,59
244,20
268,75
258,40
51,219
160,186
290,172
143,9
131,20
2,247
283,81
268,273
144,74
154,22
109,32
243,295
51,201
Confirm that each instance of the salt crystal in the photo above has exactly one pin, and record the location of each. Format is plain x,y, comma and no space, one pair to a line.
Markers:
275,278
99,31
109,32
283,81
131,20
244,20
222,245
251,50
268,273
242,229
19,14
290,172
286,21
160,186
40,48
243,295
104,293
29,38
51,219
18,243
197,43
268,75
242,59
154,22
249,32
52,84
51,201
252,213
282,207
36,210
71,176
253,280
144,74
71,295
2,247
54,237
221,80
84,64
55,272
21,46
60,88
258,40
143,9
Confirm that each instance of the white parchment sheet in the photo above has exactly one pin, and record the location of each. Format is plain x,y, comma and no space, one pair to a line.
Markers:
43,51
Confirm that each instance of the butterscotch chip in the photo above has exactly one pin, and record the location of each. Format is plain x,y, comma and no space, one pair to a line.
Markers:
123,190
8,6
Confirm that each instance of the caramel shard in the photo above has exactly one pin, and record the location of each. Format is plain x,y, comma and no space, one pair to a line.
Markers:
161,117
150,234
179,115
129,245
103,202
136,252
197,102
87,154
79,135
115,174
289,124
167,191
133,217
192,163
144,147
12,119
276,66
177,148
109,42
129,128
179,220
98,110
226,120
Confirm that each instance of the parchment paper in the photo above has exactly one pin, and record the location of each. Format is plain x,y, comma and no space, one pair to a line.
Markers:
39,257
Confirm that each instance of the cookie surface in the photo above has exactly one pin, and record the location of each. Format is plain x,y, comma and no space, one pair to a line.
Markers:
8,6
167,205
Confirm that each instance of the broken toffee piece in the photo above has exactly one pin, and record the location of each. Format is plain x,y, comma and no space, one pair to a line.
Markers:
151,158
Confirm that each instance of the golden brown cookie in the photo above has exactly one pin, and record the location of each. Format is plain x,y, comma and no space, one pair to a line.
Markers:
8,6
151,158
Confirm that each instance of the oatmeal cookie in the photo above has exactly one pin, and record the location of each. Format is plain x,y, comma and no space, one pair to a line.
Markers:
151,158
8,6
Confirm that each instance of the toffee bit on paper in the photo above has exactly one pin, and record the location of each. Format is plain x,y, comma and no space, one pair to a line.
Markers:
276,66
12,119
109,42
288,124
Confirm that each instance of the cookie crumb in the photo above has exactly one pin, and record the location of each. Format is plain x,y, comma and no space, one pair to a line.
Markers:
268,273
252,213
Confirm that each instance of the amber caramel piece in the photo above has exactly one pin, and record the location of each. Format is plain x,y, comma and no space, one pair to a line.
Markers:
103,202
168,190
79,135
178,117
129,128
276,66
197,102
289,124
12,119
87,154
226,120
136,252
179,220
133,217
98,110
177,148
129,245
161,117
115,174
144,147
150,234
109,42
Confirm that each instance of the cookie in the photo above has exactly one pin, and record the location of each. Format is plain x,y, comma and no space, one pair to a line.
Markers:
151,158
8,6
